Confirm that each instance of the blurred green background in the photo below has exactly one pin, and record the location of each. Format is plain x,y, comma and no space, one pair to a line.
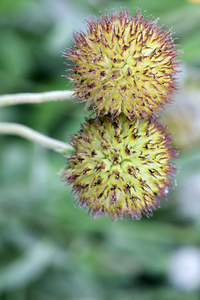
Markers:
50,249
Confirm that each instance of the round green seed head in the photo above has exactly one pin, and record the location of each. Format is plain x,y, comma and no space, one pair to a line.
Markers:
124,64
120,166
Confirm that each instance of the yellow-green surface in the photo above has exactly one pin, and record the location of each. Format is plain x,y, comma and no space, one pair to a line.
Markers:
124,64
120,167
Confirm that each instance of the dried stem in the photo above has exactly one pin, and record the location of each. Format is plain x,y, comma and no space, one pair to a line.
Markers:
30,134
35,98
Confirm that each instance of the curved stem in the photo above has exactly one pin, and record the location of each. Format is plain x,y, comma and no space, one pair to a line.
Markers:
30,134
13,99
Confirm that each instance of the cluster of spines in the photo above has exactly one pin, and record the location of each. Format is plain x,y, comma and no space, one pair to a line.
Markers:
110,176
139,89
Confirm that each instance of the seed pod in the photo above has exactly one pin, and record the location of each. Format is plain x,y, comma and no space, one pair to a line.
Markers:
124,64
120,166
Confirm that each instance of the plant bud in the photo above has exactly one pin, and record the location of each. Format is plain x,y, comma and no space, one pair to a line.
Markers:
120,166
124,64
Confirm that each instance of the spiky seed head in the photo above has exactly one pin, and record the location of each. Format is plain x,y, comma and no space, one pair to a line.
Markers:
120,166
124,64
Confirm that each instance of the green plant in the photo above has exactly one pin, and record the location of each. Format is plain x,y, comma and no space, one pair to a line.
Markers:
120,161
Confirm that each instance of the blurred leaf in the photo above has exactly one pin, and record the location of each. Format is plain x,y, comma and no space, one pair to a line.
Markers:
9,5
27,268
15,54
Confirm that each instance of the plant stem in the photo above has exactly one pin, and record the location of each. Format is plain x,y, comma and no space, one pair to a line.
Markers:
13,99
30,134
